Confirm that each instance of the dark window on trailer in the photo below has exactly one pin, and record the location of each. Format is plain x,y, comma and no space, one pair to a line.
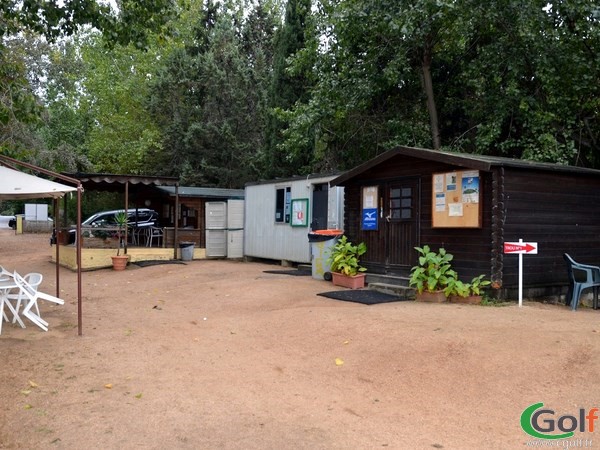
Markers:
282,204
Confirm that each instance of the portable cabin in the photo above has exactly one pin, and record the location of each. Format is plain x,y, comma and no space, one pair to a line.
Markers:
280,213
472,205
202,217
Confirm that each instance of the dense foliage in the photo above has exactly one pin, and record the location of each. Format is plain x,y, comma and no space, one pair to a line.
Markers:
225,92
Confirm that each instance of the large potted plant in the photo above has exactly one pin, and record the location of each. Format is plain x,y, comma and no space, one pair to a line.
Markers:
471,293
433,274
346,270
120,261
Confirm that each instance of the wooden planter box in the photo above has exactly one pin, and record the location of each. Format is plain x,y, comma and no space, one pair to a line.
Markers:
354,282
469,300
431,297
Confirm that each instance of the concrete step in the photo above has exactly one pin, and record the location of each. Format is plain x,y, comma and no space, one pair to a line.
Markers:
404,292
388,279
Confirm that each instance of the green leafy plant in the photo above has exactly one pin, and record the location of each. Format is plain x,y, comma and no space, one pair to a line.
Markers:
476,285
457,287
121,222
345,257
434,272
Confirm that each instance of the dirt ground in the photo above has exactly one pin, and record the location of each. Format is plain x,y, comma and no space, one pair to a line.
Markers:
220,355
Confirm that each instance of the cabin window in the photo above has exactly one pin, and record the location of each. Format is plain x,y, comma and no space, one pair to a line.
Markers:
283,198
401,203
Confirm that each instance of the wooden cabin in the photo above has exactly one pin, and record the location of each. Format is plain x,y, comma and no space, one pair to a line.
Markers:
472,205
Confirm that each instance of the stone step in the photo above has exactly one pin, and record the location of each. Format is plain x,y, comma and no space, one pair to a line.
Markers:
394,289
388,279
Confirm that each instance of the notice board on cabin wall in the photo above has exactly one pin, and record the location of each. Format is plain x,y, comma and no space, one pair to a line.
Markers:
456,201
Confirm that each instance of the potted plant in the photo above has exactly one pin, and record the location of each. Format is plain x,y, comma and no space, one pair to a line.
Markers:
120,261
459,292
345,264
433,274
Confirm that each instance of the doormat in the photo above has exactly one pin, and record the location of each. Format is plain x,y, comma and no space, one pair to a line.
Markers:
155,262
364,296
294,272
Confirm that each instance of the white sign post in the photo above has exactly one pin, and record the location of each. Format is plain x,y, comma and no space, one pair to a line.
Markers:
531,248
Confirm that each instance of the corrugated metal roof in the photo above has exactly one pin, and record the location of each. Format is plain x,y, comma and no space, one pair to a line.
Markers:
467,160
312,176
107,179
205,192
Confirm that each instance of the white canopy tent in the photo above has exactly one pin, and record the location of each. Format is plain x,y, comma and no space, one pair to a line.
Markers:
17,185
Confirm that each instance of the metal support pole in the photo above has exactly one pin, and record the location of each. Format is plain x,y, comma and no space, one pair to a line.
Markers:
520,277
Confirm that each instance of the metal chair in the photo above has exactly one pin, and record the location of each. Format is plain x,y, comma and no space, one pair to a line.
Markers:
581,276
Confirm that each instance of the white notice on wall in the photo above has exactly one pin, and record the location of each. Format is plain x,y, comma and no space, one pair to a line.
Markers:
455,209
451,181
440,202
438,183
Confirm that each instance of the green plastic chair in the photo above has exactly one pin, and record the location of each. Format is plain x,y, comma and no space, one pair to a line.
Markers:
581,276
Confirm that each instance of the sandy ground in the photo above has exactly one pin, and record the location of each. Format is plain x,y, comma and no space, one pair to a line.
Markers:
220,355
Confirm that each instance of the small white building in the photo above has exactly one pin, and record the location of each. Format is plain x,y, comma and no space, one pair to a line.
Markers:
280,213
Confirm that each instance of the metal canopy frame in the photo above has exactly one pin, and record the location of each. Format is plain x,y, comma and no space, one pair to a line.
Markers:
119,183
13,163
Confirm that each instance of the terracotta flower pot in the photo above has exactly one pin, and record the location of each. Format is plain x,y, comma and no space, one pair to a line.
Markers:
119,262
352,282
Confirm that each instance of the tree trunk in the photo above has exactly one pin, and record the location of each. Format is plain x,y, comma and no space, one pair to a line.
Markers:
428,87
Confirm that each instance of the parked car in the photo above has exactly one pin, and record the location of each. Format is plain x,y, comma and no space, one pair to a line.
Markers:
137,218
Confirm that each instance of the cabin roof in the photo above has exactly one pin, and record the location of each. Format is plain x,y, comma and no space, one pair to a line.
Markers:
466,160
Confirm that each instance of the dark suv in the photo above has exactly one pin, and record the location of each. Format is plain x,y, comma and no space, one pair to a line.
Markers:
106,219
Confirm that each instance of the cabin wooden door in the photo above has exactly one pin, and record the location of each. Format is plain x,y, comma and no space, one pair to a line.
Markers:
401,221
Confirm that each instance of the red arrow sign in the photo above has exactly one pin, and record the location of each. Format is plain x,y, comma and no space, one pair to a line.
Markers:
521,247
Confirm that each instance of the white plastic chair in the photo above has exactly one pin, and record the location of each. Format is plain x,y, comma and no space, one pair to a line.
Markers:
33,295
4,275
155,233
34,279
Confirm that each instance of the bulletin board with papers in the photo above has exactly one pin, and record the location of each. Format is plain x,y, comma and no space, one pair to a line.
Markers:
456,199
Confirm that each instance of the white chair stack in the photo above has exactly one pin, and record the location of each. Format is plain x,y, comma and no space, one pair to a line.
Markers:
32,295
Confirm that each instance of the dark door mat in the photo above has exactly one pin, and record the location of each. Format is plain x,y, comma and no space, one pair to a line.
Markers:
155,262
365,296
294,272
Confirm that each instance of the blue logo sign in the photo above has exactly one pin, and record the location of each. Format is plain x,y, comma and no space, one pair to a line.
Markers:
369,219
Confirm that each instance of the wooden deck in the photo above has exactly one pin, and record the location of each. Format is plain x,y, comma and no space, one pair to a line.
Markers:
100,258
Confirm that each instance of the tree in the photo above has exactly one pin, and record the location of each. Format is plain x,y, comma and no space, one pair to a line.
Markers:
288,87
39,22
209,98
130,22
499,78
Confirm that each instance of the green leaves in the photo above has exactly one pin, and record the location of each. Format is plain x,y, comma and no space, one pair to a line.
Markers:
345,257
434,271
